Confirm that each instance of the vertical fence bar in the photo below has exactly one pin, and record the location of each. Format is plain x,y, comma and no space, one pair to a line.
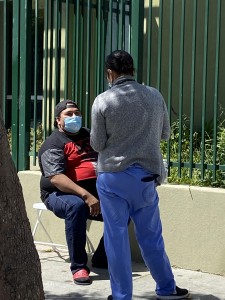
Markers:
5,60
45,54
104,39
25,91
110,24
99,30
121,25
35,80
160,45
194,28
78,40
81,56
15,80
117,23
88,55
215,120
204,87
103,44
95,54
93,63
101,47
59,48
171,25
120,30
124,24
66,51
181,87
57,57
74,52
149,31
137,17
51,55
130,8
127,23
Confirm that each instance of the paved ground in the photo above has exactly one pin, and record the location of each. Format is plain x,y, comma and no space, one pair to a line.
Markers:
58,282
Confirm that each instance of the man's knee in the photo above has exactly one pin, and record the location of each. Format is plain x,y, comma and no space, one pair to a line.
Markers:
78,208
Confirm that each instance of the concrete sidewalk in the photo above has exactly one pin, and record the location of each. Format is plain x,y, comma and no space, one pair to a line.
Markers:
58,282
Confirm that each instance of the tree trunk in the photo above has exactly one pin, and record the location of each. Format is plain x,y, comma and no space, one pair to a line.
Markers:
20,268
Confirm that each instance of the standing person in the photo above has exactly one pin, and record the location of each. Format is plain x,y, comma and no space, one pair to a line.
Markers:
128,122
68,185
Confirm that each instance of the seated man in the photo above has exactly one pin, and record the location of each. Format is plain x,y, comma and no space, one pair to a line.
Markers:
68,185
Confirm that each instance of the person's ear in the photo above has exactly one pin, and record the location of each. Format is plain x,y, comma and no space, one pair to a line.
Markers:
58,121
109,75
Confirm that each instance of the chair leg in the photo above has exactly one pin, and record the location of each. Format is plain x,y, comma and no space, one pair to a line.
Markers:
39,212
90,247
51,243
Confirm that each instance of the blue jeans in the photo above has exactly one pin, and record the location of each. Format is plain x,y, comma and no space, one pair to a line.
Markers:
75,212
132,193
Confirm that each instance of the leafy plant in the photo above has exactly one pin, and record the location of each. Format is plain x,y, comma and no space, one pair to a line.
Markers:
39,137
197,154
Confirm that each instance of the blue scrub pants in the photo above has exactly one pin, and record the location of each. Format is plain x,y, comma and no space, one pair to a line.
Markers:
132,193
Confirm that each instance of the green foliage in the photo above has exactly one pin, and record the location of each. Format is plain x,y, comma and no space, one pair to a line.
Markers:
39,137
197,154
9,135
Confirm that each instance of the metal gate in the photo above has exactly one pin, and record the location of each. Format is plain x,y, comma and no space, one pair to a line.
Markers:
55,49
58,49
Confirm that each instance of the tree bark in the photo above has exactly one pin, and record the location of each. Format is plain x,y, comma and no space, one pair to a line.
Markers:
20,268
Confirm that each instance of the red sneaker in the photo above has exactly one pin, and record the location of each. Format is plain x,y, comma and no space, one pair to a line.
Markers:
81,277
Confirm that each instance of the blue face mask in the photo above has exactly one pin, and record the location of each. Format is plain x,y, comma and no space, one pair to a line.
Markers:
73,124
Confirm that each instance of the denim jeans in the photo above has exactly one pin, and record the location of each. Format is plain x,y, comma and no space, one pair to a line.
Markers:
75,212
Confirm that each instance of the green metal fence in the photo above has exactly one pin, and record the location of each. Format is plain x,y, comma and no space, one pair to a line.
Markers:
177,45
185,53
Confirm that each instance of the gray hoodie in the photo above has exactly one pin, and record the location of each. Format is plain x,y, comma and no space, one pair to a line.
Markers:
128,122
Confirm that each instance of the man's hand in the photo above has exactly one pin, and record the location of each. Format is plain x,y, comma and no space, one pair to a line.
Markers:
66,185
93,204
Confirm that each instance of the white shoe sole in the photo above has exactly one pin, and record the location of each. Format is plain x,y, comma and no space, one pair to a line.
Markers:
172,297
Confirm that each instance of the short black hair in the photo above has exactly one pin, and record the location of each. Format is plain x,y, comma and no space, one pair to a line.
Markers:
121,62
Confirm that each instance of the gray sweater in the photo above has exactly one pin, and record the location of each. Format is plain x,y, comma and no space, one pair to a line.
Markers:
128,122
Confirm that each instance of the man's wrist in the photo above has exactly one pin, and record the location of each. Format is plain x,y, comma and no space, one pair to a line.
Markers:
85,196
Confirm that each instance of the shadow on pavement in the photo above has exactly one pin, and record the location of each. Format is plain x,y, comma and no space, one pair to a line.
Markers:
97,296
195,296
75,296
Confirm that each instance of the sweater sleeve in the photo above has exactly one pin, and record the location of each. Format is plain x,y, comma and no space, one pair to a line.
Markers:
166,124
98,127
